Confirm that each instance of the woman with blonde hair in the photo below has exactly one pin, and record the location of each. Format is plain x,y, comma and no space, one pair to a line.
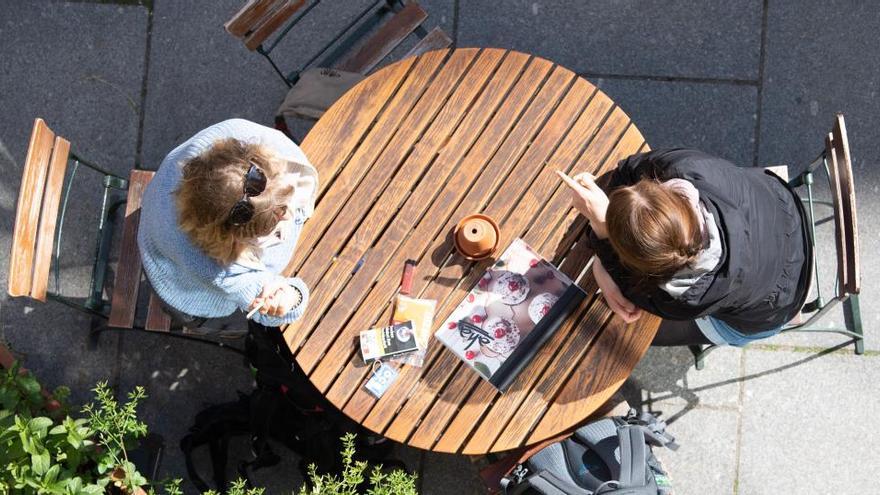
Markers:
718,251
220,221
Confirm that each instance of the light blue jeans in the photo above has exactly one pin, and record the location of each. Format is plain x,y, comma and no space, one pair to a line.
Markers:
720,333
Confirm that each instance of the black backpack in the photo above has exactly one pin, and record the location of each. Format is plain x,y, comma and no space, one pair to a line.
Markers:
284,407
608,456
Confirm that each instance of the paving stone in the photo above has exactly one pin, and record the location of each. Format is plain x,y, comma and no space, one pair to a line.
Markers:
666,380
804,425
82,74
450,474
714,39
809,78
201,75
716,118
86,86
181,378
706,460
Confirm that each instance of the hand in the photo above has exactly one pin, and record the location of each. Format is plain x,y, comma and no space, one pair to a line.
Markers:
589,199
277,298
621,306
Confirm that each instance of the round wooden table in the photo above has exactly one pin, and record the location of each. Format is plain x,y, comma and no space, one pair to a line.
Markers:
402,157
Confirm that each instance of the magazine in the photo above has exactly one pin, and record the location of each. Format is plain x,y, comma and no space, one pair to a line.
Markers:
507,316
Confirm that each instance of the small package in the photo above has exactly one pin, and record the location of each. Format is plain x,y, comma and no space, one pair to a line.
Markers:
377,343
383,376
421,313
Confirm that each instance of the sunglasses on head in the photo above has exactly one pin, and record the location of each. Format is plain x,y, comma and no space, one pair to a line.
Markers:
254,184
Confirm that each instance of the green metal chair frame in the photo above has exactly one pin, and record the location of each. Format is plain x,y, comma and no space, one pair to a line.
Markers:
330,53
39,225
836,162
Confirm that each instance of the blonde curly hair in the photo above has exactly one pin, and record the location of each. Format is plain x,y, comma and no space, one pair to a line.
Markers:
213,182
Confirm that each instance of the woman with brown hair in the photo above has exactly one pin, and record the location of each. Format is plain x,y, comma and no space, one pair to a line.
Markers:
220,221
718,251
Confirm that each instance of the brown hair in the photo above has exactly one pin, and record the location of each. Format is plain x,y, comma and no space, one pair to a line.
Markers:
653,229
211,185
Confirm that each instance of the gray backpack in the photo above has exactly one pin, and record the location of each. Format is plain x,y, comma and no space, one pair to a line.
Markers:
611,456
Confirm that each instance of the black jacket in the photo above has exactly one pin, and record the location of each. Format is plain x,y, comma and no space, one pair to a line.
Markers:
761,280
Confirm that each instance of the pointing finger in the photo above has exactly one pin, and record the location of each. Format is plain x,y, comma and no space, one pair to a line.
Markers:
569,181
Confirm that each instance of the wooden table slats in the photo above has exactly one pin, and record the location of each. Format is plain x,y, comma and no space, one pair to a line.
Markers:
342,181
379,171
370,97
512,205
502,203
375,222
507,405
404,156
363,183
446,167
447,213
440,216
562,158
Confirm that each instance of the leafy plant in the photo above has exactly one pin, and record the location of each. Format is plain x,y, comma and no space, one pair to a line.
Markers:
44,450
117,428
238,488
353,475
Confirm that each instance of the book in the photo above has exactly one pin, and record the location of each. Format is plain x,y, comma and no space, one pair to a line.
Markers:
515,307
377,343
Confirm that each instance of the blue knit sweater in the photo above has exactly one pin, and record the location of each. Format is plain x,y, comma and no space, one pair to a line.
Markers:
180,273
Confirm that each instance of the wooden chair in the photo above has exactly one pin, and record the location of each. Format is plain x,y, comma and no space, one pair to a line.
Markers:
258,20
37,235
836,161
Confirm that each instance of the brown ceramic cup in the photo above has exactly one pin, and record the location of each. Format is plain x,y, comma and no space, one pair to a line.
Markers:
476,237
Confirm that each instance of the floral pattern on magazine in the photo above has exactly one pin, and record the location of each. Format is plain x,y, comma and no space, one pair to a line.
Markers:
502,308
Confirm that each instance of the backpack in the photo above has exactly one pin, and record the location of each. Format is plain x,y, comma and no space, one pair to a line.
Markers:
284,407
610,456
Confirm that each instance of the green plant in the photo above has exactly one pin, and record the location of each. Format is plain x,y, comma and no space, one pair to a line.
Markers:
238,487
45,450
117,429
353,475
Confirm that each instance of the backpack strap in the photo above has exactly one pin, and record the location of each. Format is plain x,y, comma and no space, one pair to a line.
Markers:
633,456
548,483
655,430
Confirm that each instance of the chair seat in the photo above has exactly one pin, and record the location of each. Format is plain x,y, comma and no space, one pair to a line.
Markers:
123,303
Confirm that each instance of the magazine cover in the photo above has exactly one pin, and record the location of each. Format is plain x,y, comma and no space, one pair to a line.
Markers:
514,308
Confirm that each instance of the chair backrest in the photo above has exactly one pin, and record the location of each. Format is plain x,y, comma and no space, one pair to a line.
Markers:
37,213
258,19
385,39
846,231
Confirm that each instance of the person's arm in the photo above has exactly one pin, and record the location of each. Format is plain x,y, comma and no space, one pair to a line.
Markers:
618,303
613,278
247,287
